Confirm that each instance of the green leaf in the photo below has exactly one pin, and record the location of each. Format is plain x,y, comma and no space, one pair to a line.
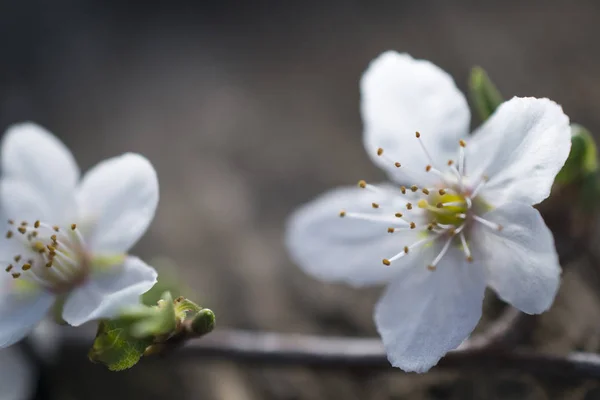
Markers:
115,347
583,158
483,93
185,308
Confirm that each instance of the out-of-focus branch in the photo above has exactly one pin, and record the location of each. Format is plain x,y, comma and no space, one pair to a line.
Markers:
492,348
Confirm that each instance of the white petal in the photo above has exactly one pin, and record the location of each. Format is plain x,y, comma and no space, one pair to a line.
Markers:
332,248
44,167
520,148
107,292
400,96
118,198
425,314
20,312
521,258
16,375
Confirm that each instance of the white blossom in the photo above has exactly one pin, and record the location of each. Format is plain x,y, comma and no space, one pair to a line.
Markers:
457,216
67,239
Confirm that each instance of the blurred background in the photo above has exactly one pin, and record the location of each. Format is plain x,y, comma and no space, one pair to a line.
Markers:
246,110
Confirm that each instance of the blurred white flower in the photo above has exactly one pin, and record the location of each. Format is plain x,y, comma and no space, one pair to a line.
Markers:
66,239
17,379
464,220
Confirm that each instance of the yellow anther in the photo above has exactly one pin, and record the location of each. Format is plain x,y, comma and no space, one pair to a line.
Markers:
39,246
379,151
10,221
428,168
500,227
430,227
17,258
442,192
462,143
56,228
36,224
24,223
431,267
406,249
439,205
408,206
22,230
342,213
398,215
390,230
16,275
374,205
49,264
417,134
469,259
9,234
53,238
34,233
51,248
403,189
413,225
425,191
452,231
73,226
9,268
362,184
385,261
414,188
26,267
423,203
397,164
450,162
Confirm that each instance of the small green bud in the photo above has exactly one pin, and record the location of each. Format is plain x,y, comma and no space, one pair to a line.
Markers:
203,322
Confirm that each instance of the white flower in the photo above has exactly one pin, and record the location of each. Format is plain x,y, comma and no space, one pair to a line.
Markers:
67,239
16,375
464,220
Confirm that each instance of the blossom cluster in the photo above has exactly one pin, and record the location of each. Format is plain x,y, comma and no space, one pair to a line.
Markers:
456,217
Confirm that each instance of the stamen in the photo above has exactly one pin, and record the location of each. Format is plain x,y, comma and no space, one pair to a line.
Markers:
442,192
26,267
482,182
373,217
414,188
461,157
386,158
465,246
406,249
22,230
374,205
433,265
9,234
11,222
418,135
9,268
425,191
36,224
408,206
403,189
16,275
398,215
487,223
342,214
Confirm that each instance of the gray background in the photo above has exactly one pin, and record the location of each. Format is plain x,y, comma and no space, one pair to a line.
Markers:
249,109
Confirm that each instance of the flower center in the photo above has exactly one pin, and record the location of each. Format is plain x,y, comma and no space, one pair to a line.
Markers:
52,257
443,212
